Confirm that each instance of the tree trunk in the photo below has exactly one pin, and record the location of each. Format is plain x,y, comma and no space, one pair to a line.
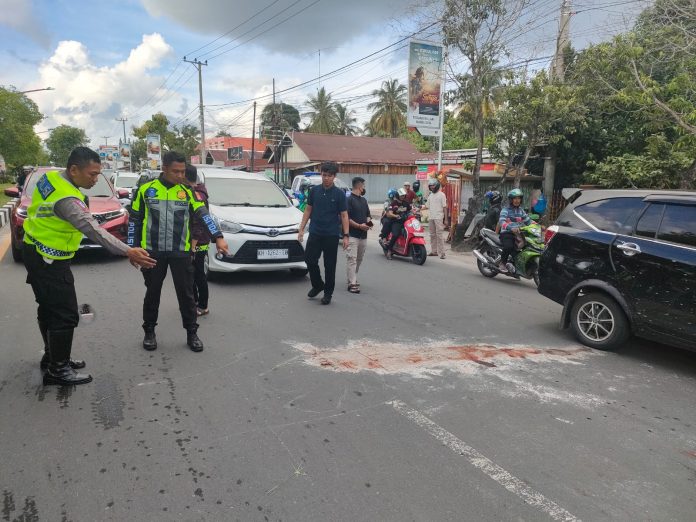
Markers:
520,167
459,243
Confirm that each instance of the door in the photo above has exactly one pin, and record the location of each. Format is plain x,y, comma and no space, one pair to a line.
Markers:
656,270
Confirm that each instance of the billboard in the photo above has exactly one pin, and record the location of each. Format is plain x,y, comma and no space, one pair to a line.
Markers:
424,87
125,151
154,150
109,155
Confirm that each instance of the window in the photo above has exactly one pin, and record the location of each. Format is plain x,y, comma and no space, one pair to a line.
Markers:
679,225
650,220
612,215
231,192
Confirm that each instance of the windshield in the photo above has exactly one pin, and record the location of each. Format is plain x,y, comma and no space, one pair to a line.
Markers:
125,181
100,189
230,192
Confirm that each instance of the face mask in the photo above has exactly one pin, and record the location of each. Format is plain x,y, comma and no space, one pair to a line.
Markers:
363,192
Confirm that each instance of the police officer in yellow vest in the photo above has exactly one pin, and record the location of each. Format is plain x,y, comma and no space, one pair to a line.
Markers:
56,221
160,222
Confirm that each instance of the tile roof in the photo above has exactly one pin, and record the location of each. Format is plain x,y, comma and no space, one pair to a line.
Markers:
356,149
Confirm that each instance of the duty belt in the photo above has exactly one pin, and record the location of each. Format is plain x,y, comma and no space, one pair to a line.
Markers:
48,250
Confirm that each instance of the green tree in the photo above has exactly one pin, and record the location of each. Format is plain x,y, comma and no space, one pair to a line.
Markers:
186,140
479,30
389,111
345,121
19,144
62,140
640,91
158,124
536,112
322,118
281,117
457,132
138,153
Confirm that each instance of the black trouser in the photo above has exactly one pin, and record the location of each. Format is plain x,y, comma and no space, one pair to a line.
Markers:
386,227
200,280
182,275
54,289
316,246
507,240
396,228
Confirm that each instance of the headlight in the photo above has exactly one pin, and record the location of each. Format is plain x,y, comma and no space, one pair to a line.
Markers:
231,227
22,212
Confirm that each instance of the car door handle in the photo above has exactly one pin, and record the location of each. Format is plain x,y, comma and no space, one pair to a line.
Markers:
629,249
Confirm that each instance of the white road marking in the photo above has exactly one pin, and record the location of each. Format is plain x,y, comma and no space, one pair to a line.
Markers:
480,461
563,420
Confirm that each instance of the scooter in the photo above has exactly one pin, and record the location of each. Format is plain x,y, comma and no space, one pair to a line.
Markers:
490,251
411,242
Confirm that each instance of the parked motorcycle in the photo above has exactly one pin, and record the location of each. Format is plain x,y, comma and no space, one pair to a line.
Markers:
489,253
411,242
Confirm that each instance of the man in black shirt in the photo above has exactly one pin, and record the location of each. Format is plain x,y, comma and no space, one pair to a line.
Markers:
360,222
326,205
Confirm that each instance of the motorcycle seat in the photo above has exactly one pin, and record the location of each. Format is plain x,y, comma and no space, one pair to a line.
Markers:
490,234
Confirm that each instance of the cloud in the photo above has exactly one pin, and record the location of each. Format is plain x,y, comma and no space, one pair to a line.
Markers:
90,96
18,15
328,23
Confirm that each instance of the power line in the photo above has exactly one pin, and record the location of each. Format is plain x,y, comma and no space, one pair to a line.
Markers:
233,29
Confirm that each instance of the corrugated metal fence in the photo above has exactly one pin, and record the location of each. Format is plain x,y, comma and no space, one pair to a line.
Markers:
377,185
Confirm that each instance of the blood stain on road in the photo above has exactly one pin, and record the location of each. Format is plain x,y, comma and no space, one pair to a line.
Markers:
432,357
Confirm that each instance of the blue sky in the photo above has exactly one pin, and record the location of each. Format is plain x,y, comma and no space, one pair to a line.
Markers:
82,49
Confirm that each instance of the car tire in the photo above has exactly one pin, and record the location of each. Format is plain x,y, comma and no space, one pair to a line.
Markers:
16,252
299,272
599,322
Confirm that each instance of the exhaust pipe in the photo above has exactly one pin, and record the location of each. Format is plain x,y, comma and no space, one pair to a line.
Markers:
478,255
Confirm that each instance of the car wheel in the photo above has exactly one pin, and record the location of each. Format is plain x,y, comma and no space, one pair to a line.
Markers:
599,322
299,272
16,252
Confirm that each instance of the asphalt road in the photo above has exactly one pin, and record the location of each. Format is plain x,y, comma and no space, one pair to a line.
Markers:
435,394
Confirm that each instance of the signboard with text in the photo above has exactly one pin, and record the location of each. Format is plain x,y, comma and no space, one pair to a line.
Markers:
424,87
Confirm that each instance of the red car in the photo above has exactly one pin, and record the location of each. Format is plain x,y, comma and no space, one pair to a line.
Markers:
103,204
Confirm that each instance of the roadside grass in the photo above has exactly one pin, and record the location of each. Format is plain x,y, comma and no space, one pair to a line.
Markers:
3,198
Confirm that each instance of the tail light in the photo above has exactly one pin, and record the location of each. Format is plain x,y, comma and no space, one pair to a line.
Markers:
550,232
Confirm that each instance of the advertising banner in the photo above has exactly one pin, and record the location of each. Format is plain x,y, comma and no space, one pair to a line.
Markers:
154,149
125,151
109,156
424,87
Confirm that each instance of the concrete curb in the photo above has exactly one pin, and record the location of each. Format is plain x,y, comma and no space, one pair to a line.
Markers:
6,211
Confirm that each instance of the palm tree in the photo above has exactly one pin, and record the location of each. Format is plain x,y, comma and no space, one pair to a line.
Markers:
345,121
389,116
323,118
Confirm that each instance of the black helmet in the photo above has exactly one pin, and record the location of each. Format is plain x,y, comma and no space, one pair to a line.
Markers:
416,186
494,197
433,185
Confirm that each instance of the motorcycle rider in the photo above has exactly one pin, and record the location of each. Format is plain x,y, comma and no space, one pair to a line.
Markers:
495,199
392,194
397,212
512,217
305,187
418,201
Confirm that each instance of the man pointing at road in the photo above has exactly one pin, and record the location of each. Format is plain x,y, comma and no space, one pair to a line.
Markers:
57,218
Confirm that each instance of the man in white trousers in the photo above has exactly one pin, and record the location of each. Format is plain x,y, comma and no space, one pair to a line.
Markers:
437,218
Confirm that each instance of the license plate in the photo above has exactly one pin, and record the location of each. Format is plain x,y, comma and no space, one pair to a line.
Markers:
276,253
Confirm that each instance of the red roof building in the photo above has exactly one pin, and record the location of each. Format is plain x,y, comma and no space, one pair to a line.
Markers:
233,152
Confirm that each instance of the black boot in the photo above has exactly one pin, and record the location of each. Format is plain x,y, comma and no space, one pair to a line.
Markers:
150,340
59,370
194,342
75,364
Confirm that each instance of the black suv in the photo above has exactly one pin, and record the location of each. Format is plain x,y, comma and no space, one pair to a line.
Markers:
622,262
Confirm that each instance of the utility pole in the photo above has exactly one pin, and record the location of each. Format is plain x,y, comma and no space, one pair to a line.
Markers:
253,139
106,140
275,147
198,64
562,41
557,73
123,120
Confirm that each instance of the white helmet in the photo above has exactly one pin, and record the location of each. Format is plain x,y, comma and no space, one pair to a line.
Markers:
402,192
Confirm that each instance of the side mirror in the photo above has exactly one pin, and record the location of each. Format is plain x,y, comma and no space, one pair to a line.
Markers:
12,192
123,193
